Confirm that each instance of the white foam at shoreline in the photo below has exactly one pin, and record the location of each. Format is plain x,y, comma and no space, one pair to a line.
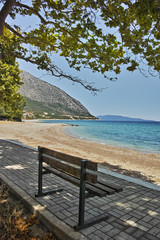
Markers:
107,143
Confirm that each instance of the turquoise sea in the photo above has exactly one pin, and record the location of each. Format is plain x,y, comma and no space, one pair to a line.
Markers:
140,136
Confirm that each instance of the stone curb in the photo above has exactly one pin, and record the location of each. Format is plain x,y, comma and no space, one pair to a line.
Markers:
19,144
131,179
52,223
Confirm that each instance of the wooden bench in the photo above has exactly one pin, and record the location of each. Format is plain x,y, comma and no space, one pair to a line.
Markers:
78,171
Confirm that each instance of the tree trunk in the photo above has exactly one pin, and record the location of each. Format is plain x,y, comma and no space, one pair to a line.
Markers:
6,9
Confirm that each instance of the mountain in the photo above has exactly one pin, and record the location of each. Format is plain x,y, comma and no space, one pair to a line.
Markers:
44,100
119,118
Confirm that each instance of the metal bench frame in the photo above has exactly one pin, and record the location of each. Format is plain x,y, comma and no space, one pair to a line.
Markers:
82,193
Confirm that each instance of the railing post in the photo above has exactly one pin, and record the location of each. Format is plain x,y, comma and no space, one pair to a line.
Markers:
82,192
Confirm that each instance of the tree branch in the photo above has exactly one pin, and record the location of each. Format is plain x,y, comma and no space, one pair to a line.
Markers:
6,9
58,73
32,10
85,84
14,31
56,25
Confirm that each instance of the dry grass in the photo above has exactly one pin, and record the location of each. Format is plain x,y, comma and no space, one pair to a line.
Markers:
16,222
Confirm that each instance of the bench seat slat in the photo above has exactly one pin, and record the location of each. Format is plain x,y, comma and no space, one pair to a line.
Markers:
69,158
69,168
114,186
109,191
96,191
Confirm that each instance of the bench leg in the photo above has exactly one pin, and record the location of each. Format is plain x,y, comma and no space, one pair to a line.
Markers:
45,193
92,221
40,174
40,168
81,223
82,194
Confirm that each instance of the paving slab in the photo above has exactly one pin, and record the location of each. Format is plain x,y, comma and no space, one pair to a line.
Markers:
133,213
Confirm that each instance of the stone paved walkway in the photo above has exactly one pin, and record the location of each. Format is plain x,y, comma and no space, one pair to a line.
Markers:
133,213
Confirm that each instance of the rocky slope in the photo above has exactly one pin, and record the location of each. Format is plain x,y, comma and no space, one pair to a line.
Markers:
48,101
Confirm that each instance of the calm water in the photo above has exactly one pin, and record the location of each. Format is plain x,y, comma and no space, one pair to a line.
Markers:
141,136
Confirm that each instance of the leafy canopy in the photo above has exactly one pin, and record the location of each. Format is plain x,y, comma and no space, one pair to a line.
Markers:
11,102
102,35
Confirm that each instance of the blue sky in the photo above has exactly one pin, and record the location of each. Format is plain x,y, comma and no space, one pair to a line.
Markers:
131,95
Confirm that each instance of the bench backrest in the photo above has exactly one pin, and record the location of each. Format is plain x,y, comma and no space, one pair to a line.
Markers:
69,164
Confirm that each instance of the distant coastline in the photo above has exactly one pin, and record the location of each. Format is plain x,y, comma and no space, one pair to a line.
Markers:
114,118
122,118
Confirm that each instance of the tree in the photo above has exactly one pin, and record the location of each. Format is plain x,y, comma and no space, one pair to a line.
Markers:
73,29
11,102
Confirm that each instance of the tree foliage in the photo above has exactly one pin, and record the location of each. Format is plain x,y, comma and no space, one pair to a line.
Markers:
102,35
11,102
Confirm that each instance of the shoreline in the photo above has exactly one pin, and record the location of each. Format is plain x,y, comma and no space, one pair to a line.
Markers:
146,149
126,161
115,144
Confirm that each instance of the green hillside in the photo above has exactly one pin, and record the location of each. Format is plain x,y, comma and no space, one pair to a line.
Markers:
44,100
49,111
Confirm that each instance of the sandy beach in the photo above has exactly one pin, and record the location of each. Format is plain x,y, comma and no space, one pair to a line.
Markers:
122,160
